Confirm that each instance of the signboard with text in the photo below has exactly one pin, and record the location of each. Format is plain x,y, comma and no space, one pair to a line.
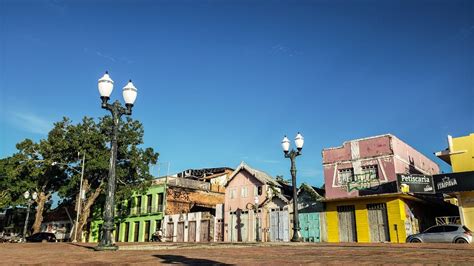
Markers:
454,182
414,183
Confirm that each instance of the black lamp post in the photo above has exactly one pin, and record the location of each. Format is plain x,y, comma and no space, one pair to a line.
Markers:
106,85
255,209
29,202
285,144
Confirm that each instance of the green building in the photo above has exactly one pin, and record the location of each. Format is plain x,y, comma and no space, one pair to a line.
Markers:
136,219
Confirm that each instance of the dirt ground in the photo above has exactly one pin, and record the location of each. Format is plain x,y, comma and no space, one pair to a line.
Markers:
240,254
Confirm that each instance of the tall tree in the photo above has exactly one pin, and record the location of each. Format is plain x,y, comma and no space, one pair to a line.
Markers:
91,138
31,169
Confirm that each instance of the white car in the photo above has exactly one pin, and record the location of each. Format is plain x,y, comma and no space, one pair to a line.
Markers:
448,233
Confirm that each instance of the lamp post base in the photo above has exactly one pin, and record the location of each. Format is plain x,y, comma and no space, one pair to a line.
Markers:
106,248
296,237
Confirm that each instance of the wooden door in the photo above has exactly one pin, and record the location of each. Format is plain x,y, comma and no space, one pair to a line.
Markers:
309,223
205,230
127,231
347,223
180,232
169,231
192,231
219,230
136,231
274,227
378,222
147,231
244,228
117,232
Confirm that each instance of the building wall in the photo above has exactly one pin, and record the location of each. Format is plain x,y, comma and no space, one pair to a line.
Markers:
395,213
182,200
389,154
409,160
242,179
135,213
186,218
463,162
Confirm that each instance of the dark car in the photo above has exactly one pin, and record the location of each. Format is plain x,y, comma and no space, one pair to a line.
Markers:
41,237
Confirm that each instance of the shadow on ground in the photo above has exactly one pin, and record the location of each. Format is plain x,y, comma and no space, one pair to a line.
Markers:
174,259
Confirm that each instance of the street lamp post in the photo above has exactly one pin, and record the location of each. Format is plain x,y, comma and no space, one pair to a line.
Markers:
29,201
257,234
255,209
285,144
78,210
106,85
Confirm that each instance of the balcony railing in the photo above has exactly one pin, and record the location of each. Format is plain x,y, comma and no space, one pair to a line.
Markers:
141,210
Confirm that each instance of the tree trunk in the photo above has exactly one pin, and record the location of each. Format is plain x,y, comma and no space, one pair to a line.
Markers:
40,201
86,208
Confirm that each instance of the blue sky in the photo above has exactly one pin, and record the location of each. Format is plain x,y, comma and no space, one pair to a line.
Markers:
220,82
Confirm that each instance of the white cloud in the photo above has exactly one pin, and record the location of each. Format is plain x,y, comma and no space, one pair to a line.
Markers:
30,122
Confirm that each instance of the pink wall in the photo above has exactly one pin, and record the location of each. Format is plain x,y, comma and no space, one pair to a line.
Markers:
387,152
241,179
407,156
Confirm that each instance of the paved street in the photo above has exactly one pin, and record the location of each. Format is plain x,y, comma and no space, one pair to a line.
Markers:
288,253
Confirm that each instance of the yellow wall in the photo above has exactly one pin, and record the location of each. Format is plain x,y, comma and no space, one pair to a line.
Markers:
463,162
395,213
466,208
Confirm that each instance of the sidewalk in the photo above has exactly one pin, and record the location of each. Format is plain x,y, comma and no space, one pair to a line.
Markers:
238,254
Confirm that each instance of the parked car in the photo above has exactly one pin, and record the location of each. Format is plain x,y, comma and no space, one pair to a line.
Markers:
41,237
10,238
448,233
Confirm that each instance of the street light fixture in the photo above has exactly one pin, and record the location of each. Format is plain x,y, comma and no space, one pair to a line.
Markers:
106,85
285,144
29,201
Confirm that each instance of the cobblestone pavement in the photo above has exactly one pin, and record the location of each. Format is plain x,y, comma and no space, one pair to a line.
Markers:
241,254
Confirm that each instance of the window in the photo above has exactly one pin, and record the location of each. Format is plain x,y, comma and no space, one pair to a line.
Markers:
450,228
148,203
258,191
244,192
346,175
435,229
370,172
232,193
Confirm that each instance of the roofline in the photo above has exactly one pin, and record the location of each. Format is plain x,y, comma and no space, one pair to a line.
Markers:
359,139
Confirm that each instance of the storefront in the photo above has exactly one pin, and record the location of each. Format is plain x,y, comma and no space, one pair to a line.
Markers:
461,186
371,219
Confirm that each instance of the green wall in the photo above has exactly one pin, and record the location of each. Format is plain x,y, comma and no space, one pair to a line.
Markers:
154,215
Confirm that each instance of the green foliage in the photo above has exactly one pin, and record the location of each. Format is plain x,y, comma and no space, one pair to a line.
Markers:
93,138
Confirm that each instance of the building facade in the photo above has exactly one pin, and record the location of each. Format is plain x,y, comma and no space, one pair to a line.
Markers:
363,202
255,205
136,219
460,184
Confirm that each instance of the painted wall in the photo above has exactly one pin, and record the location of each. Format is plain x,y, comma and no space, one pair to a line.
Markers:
186,218
395,212
136,213
389,154
409,160
243,179
463,162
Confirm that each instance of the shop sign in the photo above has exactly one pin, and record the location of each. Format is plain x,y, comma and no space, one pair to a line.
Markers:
454,182
414,183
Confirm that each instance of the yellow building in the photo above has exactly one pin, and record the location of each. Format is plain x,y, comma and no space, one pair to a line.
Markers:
460,155
378,218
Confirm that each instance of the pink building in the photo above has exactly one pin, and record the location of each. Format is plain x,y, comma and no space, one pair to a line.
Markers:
245,187
370,164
